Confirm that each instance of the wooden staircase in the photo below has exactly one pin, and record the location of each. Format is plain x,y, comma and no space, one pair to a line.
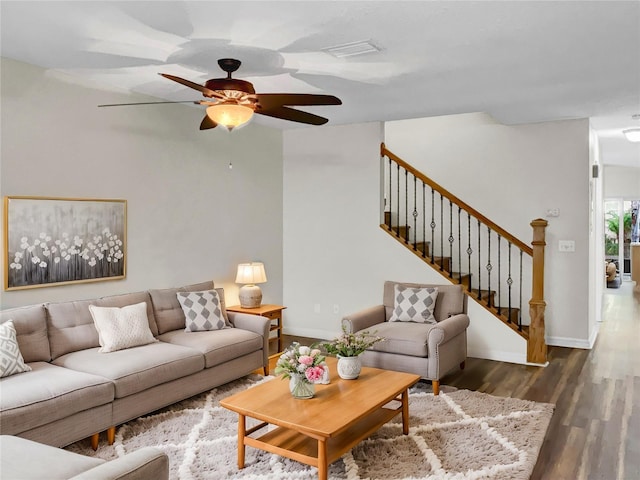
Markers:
411,206
443,265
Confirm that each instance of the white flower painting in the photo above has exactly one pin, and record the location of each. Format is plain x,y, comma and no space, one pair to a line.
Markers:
53,241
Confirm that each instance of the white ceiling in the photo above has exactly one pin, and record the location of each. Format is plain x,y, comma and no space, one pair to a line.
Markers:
520,61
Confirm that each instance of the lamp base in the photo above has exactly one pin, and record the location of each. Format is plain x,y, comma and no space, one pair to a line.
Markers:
250,296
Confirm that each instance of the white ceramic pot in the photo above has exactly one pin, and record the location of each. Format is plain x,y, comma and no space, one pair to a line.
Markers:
349,367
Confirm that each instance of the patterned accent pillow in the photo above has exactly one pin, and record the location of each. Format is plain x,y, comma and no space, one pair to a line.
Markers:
202,311
121,328
414,304
11,360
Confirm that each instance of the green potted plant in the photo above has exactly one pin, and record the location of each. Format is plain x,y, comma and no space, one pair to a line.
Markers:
348,347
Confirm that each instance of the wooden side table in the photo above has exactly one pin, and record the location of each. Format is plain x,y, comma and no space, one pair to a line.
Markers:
272,312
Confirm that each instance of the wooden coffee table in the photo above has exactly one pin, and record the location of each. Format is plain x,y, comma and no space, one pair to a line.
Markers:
318,431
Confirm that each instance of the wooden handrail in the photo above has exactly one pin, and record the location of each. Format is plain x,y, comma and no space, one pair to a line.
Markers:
445,193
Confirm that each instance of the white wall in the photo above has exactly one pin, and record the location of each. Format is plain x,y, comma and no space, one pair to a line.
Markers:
190,218
513,174
335,253
621,182
597,280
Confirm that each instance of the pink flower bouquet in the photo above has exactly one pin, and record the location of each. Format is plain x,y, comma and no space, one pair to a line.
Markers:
299,359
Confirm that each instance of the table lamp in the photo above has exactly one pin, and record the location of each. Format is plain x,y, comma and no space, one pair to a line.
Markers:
250,274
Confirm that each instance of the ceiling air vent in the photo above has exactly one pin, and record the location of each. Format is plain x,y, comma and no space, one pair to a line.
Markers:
352,49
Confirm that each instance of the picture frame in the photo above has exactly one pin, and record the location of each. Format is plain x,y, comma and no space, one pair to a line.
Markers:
50,241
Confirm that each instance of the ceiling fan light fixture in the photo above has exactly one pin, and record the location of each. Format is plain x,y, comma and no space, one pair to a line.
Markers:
632,134
230,115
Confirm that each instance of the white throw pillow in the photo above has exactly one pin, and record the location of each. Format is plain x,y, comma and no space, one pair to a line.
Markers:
414,304
202,311
120,328
11,360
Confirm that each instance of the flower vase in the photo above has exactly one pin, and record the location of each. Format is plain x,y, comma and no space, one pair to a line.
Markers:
349,367
300,387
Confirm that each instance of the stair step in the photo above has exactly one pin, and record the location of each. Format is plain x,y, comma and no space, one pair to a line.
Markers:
515,313
465,279
401,231
423,247
484,294
444,262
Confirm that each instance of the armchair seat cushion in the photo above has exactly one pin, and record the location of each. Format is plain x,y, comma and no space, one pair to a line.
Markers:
406,338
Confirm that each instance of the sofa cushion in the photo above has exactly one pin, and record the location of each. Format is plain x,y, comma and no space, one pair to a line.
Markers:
145,463
167,309
406,338
11,361
26,460
31,330
414,304
138,368
71,326
451,299
201,310
48,393
120,328
218,346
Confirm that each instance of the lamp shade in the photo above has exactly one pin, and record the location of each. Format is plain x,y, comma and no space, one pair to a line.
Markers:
229,115
250,294
251,273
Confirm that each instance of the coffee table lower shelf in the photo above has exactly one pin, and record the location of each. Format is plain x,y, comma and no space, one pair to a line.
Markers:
315,451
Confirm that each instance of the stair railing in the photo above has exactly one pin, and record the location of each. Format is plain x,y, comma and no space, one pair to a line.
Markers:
493,265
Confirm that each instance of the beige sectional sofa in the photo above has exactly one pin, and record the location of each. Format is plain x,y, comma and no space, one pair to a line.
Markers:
74,391
56,464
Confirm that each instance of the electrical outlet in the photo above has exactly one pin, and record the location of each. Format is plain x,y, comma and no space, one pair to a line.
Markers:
553,212
336,308
566,246
316,308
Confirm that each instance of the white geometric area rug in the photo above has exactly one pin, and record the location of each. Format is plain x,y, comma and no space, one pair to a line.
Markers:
459,434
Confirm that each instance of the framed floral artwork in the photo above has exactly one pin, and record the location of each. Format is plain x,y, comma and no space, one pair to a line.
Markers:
59,241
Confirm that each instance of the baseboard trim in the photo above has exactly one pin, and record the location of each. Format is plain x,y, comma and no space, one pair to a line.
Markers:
594,335
500,356
572,342
309,332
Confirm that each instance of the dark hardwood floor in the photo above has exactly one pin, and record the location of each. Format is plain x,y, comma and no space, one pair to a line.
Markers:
595,429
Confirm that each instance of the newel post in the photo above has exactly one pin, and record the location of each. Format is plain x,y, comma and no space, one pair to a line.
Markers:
537,347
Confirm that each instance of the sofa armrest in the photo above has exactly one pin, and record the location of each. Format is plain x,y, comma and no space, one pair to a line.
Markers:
256,324
447,329
364,319
142,464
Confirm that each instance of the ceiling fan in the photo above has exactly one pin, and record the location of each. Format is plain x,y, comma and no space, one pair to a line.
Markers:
233,101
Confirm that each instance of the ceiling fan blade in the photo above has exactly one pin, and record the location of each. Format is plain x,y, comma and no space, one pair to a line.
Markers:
269,100
196,102
207,123
292,114
207,92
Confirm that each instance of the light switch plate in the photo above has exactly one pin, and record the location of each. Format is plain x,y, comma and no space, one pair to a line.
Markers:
567,246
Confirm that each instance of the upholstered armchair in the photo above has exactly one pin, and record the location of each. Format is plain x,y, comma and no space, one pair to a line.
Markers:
424,326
